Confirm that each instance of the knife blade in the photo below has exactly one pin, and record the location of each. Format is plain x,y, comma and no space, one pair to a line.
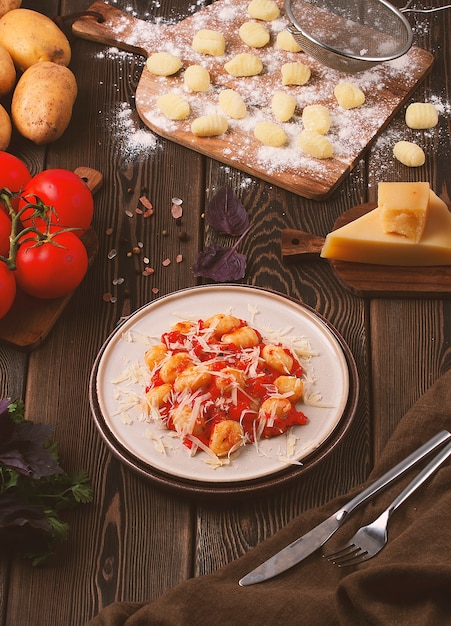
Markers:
302,547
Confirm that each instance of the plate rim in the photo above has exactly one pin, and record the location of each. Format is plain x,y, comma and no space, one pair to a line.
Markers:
244,488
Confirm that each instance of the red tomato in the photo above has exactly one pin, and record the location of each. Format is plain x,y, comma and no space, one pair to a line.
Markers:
14,174
5,231
7,289
52,268
67,193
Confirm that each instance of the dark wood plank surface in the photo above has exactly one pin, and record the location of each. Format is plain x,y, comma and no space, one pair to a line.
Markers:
136,541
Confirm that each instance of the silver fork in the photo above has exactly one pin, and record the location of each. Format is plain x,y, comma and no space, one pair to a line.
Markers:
369,540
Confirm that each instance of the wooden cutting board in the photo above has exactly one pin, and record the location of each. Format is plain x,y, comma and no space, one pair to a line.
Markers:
29,321
386,86
366,280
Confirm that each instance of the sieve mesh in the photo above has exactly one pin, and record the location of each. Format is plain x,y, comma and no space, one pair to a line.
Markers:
349,34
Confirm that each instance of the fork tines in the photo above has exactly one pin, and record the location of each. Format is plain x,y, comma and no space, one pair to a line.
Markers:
347,555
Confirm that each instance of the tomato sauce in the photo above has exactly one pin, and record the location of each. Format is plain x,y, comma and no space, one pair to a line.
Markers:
237,401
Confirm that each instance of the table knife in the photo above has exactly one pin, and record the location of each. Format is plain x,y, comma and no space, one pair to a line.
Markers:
307,544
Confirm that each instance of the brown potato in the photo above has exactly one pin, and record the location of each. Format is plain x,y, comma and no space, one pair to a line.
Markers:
31,37
7,72
5,128
9,5
42,102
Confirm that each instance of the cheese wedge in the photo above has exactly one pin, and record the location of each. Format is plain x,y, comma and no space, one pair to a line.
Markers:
404,208
364,240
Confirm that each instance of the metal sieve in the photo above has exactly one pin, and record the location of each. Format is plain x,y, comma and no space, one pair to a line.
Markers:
351,35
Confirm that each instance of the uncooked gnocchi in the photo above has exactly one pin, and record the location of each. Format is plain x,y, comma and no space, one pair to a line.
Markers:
286,41
209,125
244,64
316,117
232,104
421,115
208,41
349,95
173,106
315,145
266,10
270,134
295,73
254,34
283,106
197,78
409,153
163,64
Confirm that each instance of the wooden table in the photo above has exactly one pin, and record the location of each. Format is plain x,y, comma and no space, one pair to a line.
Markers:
136,540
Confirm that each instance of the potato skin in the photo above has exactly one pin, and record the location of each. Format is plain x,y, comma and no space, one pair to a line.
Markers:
42,102
9,5
7,72
5,128
31,37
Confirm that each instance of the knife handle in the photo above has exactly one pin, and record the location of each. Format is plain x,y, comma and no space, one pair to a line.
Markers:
396,471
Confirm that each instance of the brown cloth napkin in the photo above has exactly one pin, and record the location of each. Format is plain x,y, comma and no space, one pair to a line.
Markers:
408,583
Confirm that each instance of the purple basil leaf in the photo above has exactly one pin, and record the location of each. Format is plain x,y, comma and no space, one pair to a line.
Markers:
220,264
226,214
16,513
26,451
30,460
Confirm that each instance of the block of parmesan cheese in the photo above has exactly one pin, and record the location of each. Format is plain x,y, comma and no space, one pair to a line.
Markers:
404,208
364,240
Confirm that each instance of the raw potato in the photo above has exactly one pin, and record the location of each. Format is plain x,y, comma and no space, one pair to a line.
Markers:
5,129
7,72
31,37
42,102
9,5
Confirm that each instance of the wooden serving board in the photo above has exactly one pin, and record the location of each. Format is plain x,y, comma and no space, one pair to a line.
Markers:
364,279
386,86
29,321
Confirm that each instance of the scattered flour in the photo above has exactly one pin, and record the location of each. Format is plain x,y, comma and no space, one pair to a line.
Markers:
351,130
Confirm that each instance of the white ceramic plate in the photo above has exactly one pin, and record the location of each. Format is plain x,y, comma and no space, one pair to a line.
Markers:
268,312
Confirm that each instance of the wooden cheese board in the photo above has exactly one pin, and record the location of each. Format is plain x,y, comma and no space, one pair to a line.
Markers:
387,87
30,319
366,280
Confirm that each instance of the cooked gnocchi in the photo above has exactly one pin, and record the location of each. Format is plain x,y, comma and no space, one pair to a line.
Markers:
163,64
349,95
225,437
254,34
209,125
316,117
421,115
208,41
232,104
315,145
173,106
197,78
409,153
266,10
244,64
283,106
295,73
219,385
270,134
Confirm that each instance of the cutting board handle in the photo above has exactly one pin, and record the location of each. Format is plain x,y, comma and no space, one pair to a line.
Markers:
118,29
298,245
93,178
